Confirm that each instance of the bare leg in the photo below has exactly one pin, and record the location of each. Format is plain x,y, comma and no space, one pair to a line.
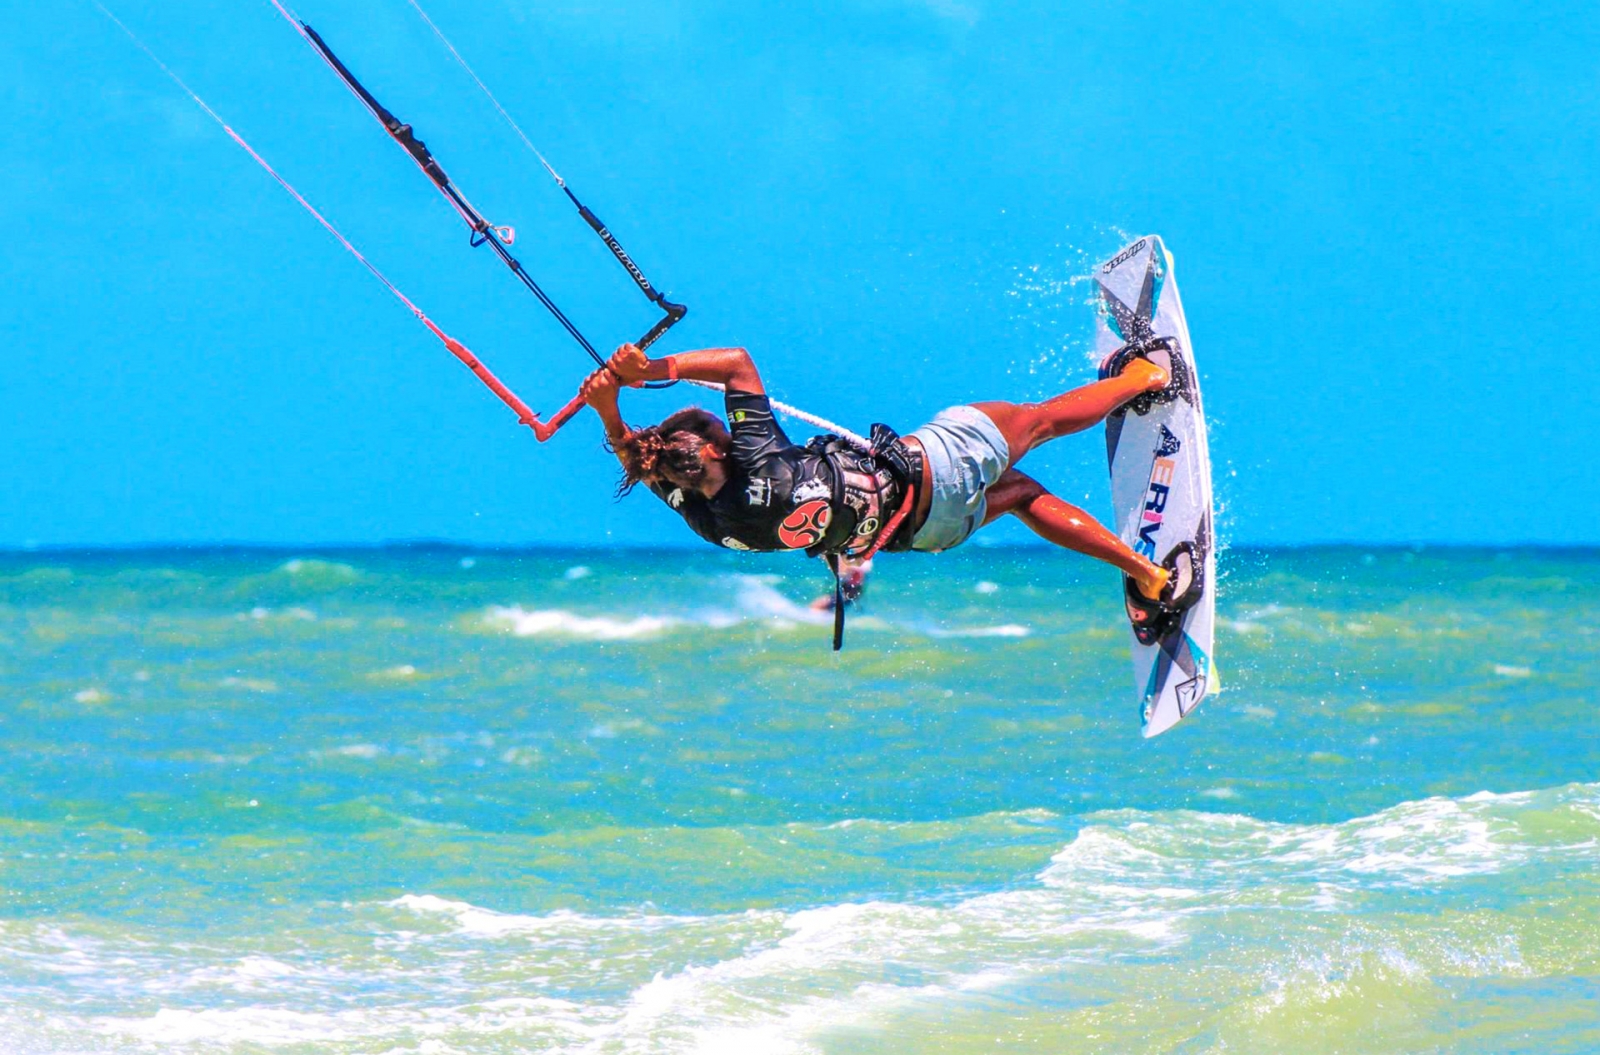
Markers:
1026,425
1070,527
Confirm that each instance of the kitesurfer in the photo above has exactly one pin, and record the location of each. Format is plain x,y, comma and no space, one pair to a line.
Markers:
743,485
852,584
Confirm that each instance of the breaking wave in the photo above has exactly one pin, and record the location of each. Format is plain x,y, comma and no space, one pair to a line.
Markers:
1270,927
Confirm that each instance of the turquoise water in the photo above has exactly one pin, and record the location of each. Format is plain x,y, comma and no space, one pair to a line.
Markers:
437,801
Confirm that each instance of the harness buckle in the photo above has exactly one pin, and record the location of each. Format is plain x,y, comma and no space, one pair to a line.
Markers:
887,444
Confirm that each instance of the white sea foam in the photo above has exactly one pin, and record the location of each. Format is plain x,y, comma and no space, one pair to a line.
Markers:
752,599
1415,842
702,1021
366,751
402,672
848,939
259,1025
311,566
261,613
1511,797
249,684
543,1020
1099,850
252,973
1003,630
470,919
756,595
938,953
537,622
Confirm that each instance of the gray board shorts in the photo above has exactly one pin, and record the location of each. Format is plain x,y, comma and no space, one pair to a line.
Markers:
966,454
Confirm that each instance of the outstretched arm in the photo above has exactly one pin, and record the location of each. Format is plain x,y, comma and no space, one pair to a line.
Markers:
730,367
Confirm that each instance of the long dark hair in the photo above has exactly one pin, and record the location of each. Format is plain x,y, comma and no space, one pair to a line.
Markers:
673,445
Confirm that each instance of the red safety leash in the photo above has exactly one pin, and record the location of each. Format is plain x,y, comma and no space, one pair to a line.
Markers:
892,526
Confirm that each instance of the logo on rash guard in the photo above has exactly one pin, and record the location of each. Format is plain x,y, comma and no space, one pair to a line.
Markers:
1156,493
810,489
806,525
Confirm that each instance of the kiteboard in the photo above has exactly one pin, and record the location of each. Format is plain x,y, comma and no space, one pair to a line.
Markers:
1160,482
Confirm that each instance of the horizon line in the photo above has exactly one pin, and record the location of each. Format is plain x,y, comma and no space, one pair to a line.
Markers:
456,546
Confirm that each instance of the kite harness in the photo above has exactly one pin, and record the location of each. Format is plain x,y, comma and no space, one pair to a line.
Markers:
863,488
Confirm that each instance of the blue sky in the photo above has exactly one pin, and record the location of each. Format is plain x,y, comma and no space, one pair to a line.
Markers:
1383,216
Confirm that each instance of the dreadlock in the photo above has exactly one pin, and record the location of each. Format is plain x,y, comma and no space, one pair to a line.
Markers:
674,445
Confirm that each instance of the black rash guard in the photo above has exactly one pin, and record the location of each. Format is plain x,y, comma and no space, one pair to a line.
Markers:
778,496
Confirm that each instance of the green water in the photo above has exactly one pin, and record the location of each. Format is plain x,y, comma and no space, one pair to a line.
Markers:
453,801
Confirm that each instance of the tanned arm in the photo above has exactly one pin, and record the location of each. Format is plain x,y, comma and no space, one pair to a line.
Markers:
730,367
600,392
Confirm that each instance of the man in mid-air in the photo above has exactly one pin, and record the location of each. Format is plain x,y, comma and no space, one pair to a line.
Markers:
743,485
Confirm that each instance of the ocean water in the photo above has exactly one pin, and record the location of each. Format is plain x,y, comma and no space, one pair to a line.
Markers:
441,801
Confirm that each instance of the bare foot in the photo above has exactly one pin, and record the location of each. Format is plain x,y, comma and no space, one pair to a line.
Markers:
1153,582
1151,378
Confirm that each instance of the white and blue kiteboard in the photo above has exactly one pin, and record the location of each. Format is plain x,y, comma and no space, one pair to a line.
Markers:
1161,478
